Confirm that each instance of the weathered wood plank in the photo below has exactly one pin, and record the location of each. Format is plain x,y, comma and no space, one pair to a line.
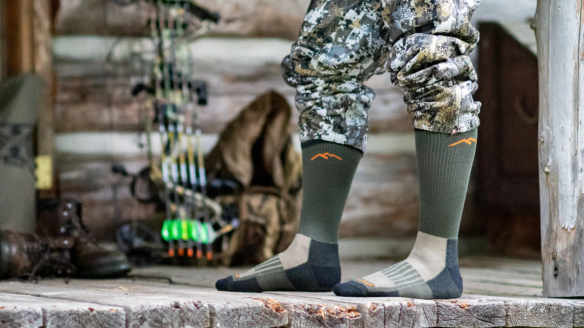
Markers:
578,314
560,47
305,315
476,311
144,310
152,303
494,289
411,313
521,266
244,310
357,311
307,310
28,311
170,305
15,315
224,309
509,278
470,313
539,313
260,313
488,283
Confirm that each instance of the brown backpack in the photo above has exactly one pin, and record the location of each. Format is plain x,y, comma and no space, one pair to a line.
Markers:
256,150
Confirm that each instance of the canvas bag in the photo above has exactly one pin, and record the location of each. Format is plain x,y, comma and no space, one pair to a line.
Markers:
256,150
20,98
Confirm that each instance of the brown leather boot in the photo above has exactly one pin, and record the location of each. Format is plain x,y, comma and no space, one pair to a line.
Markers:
62,218
26,255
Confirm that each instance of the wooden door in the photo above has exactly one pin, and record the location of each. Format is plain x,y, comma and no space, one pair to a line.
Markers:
508,185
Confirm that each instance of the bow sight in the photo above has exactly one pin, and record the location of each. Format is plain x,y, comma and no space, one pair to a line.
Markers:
193,221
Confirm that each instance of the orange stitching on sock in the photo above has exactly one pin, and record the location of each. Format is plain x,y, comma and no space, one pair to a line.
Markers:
366,282
468,141
326,156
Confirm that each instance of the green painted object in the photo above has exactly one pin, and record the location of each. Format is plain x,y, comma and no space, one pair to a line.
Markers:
175,230
166,230
184,229
203,234
194,230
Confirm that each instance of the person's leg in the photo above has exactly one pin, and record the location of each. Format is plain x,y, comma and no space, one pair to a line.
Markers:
341,44
431,270
438,79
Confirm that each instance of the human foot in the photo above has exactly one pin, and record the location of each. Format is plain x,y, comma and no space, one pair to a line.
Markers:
430,272
307,265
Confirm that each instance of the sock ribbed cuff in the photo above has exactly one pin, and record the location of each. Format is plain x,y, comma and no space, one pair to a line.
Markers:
329,169
444,167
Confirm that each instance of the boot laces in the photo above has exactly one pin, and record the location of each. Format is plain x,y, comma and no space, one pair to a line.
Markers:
76,228
44,259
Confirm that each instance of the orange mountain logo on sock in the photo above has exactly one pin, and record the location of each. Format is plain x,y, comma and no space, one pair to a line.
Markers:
326,156
366,282
468,141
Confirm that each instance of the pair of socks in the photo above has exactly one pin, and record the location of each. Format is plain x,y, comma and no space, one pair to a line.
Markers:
311,263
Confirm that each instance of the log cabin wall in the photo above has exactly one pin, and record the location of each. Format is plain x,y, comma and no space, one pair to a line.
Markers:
98,122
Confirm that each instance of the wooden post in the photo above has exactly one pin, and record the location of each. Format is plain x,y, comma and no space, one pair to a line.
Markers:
560,36
42,23
17,35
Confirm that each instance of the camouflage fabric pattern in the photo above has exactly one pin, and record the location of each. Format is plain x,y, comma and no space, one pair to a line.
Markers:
424,44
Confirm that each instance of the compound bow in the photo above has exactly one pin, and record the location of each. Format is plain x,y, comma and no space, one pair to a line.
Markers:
174,99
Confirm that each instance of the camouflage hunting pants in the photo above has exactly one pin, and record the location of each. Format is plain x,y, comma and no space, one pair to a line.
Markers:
424,45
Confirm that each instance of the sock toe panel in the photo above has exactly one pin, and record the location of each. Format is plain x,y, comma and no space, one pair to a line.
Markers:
223,284
250,285
351,289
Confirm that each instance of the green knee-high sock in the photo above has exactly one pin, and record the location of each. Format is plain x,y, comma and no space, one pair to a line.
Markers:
431,270
311,263
329,169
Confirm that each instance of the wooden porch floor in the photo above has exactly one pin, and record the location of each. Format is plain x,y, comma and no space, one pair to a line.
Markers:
498,293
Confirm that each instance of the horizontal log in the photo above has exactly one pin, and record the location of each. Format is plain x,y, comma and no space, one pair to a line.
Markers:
106,104
96,114
244,18
130,114
109,145
95,95
250,18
